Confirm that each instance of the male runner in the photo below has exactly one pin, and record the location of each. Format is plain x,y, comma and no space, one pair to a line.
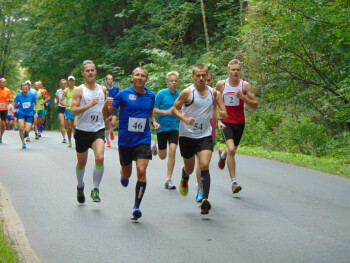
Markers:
236,94
61,108
66,101
112,92
87,103
5,98
25,100
136,105
46,106
198,101
31,90
42,99
169,132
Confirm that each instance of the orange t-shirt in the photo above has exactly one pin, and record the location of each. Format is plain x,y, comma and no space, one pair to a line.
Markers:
5,94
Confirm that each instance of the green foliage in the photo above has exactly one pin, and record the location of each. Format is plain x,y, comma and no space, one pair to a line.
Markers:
7,253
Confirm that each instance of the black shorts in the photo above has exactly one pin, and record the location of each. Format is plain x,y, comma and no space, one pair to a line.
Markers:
189,146
234,131
84,140
167,136
129,154
61,109
3,115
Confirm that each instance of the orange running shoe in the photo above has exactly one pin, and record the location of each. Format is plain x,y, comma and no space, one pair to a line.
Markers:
236,188
109,144
111,135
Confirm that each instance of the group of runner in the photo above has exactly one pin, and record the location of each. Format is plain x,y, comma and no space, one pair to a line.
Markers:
187,118
24,114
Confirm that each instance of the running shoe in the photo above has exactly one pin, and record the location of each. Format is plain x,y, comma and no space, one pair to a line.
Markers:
205,207
64,140
36,136
136,213
80,195
236,188
69,144
109,144
221,163
154,149
124,181
199,195
111,135
169,185
24,146
95,195
39,133
184,186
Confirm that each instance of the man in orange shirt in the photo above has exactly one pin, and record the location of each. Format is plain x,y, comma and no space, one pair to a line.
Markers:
5,98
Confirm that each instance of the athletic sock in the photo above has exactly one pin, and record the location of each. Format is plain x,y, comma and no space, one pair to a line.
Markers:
139,192
107,135
97,175
184,174
80,176
233,180
205,183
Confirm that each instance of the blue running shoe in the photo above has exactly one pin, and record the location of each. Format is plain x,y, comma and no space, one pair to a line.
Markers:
199,195
24,146
136,213
124,181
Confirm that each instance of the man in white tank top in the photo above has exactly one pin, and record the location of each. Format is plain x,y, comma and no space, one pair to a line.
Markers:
198,101
236,93
87,103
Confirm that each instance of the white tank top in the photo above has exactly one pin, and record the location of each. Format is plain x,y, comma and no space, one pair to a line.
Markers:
91,120
59,94
201,109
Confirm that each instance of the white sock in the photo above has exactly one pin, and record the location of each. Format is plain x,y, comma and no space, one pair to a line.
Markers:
233,180
80,177
97,175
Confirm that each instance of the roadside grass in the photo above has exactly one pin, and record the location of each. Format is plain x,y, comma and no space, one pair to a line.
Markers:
7,252
328,165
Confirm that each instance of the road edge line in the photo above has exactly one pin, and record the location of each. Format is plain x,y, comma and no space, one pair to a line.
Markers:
13,228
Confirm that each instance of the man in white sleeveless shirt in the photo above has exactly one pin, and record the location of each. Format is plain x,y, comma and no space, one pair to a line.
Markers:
198,101
87,103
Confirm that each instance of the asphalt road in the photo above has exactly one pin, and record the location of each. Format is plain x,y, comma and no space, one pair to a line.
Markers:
283,214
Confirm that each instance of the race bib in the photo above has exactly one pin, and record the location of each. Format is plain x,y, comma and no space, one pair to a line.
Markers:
94,117
231,100
199,126
137,124
2,105
26,105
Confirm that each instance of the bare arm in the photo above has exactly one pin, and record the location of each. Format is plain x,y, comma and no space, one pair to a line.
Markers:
219,109
76,109
155,124
250,99
161,112
64,94
184,97
108,109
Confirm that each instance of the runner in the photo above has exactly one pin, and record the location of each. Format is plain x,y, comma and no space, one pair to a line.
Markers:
66,101
31,90
25,100
61,108
136,110
169,132
236,94
46,106
42,99
112,92
87,103
5,98
198,102
10,118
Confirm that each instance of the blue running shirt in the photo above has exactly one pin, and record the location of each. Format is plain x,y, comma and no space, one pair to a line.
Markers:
112,93
25,103
164,101
134,113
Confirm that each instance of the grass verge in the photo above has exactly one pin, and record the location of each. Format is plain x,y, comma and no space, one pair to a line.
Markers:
7,252
328,165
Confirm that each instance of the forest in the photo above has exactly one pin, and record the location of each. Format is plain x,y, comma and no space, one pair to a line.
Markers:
296,55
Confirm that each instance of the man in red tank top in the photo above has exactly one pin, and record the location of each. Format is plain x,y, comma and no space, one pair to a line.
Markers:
236,93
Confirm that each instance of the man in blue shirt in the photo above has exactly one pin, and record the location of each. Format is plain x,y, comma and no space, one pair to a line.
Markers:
135,105
26,101
169,132
112,92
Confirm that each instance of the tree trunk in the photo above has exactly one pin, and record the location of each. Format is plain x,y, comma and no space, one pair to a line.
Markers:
205,26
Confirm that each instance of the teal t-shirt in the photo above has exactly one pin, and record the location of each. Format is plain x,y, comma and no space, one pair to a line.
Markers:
164,101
